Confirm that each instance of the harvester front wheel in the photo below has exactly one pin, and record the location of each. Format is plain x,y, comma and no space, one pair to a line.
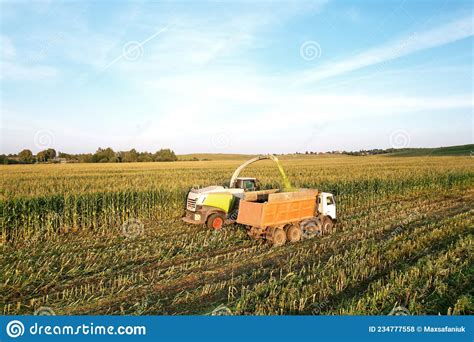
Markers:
276,237
293,233
215,221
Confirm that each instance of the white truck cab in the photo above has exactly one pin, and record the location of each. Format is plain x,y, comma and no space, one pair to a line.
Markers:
327,205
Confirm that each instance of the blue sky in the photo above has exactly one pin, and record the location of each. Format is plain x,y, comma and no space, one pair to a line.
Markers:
235,77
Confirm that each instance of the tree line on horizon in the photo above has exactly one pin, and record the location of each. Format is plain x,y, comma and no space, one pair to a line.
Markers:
102,155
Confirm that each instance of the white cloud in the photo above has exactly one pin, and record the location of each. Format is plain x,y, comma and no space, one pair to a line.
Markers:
418,41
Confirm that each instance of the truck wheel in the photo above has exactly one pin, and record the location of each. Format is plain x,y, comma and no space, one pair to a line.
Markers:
215,221
328,225
311,228
293,233
276,237
255,232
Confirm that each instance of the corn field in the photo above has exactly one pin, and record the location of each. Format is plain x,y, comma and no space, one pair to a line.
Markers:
404,237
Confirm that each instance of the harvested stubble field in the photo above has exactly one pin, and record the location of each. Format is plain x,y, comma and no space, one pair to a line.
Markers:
404,237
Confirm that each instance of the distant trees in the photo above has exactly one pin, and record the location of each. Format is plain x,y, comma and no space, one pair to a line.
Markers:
105,156
10,159
130,156
41,156
102,155
46,155
85,158
26,157
165,155
109,156
145,157
65,155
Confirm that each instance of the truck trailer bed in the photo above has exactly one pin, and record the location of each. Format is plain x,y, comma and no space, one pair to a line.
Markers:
279,209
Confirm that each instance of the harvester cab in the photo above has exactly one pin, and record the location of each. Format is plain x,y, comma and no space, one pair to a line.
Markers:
247,184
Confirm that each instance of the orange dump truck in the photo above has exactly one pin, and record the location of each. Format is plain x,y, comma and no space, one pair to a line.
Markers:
287,216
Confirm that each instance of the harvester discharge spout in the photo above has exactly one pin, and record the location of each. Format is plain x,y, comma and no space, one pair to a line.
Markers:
286,182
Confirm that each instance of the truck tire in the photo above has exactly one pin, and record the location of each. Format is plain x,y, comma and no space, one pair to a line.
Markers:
293,233
328,225
311,228
215,221
276,237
